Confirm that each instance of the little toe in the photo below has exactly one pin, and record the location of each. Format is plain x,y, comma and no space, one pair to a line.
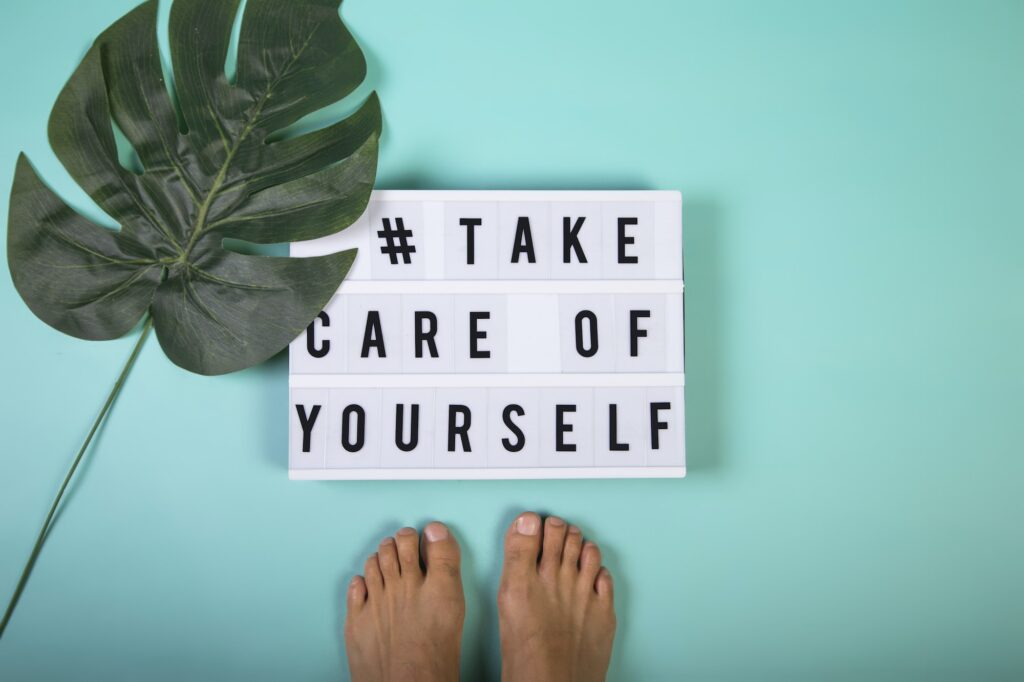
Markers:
356,594
441,553
388,557
408,542
571,551
590,564
374,579
553,542
522,545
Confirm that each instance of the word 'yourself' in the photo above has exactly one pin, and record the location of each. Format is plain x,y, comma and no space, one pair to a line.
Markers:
459,419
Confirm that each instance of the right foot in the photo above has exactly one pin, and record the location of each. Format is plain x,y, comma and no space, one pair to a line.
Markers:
405,623
554,605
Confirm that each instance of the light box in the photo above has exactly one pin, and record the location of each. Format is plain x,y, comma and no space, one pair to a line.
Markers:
497,334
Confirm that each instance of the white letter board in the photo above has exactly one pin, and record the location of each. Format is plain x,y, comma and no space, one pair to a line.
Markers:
497,334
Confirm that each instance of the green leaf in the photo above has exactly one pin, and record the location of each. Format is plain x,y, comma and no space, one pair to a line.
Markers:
218,173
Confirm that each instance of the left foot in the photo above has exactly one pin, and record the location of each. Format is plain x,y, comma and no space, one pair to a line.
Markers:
555,605
405,623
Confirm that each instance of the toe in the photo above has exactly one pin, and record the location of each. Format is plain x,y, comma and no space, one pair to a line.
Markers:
554,541
408,542
522,544
356,595
374,579
387,555
571,551
440,553
590,564
603,585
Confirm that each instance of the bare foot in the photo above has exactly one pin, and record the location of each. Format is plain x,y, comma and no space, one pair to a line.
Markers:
556,615
405,623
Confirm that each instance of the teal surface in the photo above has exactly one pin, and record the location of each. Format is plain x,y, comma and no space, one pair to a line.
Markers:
852,176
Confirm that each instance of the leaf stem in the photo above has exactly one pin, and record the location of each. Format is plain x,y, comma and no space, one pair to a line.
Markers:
45,530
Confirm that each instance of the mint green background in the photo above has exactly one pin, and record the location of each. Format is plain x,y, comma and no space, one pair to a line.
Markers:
852,177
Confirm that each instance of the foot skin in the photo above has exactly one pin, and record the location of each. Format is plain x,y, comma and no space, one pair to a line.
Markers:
555,606
404,622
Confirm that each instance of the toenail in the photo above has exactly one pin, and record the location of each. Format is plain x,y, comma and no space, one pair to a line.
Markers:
386,541
435,531
555,521
406,531
527,524
354,583
574,530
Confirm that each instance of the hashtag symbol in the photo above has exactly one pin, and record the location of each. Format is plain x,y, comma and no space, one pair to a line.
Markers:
397,241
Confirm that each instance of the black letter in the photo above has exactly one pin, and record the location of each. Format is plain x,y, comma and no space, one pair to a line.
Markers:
477,334
469,224
306,422
414,428
561,428
346,415
325,321
524,241
635,333
623,240
462,430
580,316
613,430
373,335
570,239
657,425
506,416
426,335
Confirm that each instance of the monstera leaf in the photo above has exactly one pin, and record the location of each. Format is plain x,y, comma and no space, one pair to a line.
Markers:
215,174
219,165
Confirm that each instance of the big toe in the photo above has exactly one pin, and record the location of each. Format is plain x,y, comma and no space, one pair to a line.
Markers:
441,553
522,544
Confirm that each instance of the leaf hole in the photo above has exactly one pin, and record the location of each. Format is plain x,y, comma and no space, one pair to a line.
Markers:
163,41
231,62
326,117
126,154
245,248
